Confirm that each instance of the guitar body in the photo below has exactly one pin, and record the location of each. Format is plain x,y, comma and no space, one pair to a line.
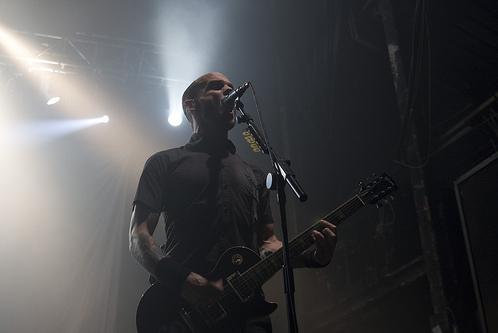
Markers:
160,311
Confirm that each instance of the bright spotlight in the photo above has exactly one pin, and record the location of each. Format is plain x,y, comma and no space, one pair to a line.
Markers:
175,118
37,132
53,100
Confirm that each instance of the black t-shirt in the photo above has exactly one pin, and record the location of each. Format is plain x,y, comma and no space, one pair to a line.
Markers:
210,199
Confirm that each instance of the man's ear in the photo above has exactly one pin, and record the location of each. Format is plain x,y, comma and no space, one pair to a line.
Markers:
190,104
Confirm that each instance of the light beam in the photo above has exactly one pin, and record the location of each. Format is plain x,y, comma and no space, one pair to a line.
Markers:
39,132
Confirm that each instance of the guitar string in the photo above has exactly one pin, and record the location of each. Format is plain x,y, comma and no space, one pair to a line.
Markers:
301,245
339,213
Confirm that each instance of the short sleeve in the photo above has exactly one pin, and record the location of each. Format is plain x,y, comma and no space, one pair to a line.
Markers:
150,190
264,208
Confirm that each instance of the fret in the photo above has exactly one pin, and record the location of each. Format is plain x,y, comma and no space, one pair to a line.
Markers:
261,272
345,210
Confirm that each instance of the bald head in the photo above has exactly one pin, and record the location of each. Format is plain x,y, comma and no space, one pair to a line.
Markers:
196,88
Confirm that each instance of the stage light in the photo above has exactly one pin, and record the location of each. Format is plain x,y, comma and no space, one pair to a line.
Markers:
175,118
53,100
186,65
43,131
104,119
14,47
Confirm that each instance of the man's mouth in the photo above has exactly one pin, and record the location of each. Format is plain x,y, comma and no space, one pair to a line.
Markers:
228,109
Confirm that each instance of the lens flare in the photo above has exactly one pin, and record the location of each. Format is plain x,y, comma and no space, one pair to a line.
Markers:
53,100
175,118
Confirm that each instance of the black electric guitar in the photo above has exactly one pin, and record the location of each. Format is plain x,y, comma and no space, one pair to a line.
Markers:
243,273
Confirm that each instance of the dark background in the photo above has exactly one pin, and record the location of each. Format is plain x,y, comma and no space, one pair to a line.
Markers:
323,77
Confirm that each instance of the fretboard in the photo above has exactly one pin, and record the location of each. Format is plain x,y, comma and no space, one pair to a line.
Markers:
258,274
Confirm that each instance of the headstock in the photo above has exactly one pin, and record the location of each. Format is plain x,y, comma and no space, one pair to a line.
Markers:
377,189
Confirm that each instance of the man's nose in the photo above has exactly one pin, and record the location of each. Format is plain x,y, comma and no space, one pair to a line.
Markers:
227,90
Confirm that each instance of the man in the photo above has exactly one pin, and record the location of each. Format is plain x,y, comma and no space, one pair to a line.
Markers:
211,200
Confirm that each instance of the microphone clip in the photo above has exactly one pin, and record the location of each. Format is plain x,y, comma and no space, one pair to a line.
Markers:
234,94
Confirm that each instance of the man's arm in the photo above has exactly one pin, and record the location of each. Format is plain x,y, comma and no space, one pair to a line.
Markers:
318,255
192,287
141,243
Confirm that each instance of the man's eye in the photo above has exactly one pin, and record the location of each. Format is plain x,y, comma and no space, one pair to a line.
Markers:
216,86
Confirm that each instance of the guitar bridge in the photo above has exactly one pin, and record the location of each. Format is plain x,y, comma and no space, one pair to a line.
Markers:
212,313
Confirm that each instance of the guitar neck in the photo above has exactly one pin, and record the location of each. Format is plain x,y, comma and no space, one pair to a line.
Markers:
257,275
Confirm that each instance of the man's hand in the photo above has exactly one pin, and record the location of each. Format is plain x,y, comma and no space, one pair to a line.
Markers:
325,242
197,289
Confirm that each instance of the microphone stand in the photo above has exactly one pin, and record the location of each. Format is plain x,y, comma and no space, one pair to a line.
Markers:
282,175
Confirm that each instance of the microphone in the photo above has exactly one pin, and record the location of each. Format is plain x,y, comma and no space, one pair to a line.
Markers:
234,94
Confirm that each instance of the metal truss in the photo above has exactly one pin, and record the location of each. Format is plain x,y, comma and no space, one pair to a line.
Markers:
119,59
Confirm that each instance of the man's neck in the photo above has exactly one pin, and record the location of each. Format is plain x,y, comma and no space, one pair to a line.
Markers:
213,137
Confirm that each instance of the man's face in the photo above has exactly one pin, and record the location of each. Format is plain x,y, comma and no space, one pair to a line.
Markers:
212,112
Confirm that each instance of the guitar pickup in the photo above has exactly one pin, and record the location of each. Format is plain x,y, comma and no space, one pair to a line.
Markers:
243,291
